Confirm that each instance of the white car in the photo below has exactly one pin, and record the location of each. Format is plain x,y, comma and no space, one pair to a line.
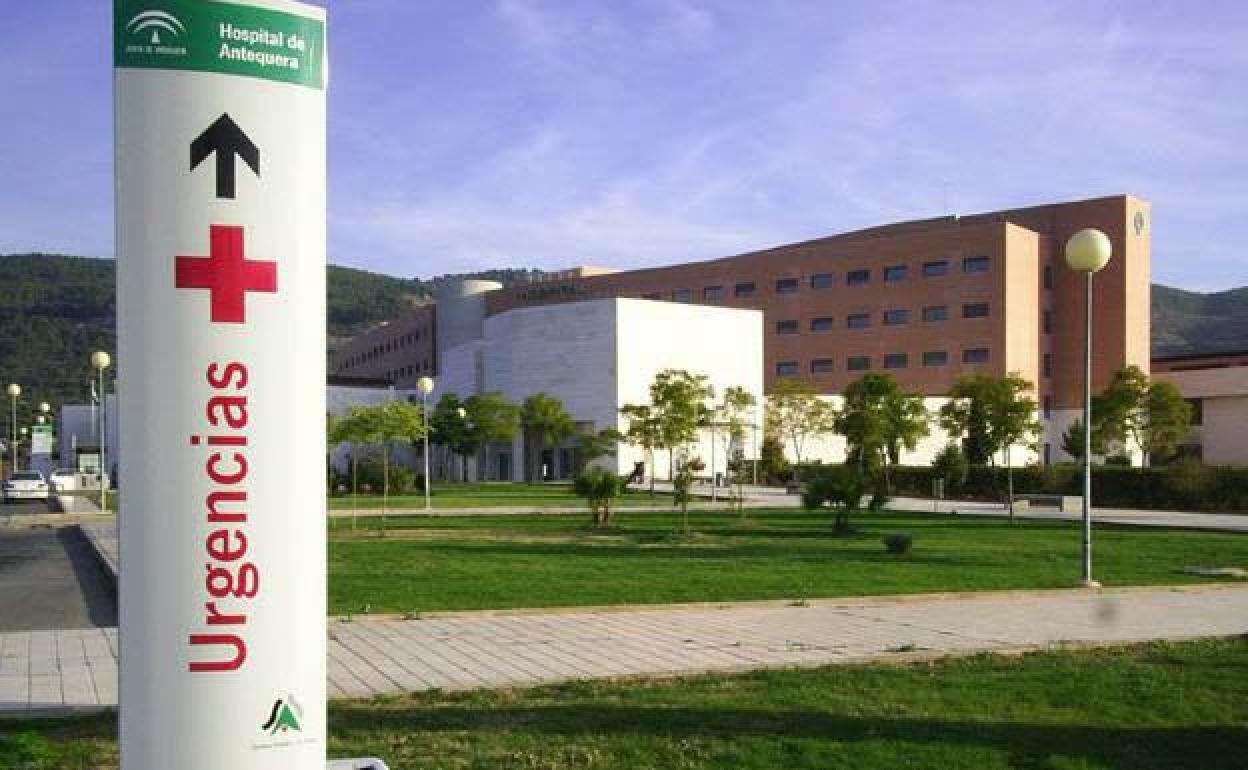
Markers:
63,479
25,485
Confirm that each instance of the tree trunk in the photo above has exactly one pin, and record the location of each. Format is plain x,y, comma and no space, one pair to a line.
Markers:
650,455
385,484
355,498
1009,483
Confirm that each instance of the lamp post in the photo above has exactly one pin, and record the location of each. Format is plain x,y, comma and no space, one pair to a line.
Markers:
14,391
1087,252
425,386
101,361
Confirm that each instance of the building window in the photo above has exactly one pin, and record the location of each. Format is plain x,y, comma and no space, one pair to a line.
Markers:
712,293
821,324
858,320
1048,364
936,269
786,369
744,289
936,313
1048,407
786,327
1198,411
975,265
858,277
1048,276
1048,453
682,295
651,295
820,365
894,274
896,317
821,281
786,286
975,356
896,361
975,310
1048,322
858,363
935,358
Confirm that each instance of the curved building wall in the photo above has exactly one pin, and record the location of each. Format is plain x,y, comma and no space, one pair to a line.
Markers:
461,312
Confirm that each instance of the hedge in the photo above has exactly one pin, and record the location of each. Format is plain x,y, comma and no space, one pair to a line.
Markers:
1177,487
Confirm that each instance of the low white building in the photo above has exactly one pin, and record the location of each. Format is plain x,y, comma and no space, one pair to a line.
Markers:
1216,386
596,356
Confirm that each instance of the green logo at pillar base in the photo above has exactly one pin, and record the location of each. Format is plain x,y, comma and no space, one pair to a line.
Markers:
284,717
220,37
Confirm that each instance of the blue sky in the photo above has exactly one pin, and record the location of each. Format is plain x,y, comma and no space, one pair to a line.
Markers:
467,134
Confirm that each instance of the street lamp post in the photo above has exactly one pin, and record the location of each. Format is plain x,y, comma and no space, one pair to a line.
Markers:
425,386
1087,252
101,361
14,391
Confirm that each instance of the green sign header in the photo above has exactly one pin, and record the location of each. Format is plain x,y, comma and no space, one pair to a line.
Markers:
210,36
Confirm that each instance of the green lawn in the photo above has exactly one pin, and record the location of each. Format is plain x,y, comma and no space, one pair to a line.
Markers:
486,562
1152,707
474,495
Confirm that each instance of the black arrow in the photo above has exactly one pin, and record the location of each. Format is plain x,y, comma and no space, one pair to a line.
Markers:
227,140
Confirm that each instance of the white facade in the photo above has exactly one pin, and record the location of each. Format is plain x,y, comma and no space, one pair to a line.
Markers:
596,356
1220,427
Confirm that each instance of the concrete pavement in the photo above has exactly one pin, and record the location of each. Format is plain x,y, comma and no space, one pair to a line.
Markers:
46,672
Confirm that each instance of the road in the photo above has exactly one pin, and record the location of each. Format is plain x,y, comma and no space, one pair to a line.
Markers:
50,578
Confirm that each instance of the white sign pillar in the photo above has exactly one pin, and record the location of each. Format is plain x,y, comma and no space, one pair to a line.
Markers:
220,157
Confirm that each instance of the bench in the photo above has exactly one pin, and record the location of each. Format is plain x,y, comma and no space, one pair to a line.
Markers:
1063,503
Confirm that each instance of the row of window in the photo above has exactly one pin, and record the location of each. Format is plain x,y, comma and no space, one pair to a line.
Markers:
895,317
889,361
382,349
862,277
421,367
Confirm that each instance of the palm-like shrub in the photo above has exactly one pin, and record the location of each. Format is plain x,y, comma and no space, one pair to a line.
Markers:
600,488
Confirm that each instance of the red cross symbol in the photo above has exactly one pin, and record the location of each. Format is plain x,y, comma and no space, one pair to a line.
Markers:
228,274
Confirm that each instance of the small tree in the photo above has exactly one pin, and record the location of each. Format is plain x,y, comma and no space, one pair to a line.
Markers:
599,487
842,487
771,460
997,410
678,400
682,484
796,414
545,421
591,445
878,420
351,429
451,431
384,424
730,417
1134,408
1072,439
491,419
644,432
950,466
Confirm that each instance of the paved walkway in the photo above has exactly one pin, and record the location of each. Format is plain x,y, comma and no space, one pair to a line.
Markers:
58,671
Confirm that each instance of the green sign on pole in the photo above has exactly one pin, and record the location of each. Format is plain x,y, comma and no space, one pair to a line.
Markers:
219,37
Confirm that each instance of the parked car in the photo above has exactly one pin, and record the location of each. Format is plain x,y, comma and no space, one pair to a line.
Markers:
63,479
25,485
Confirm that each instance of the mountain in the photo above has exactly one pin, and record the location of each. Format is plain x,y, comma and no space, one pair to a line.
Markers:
55,310
1191,322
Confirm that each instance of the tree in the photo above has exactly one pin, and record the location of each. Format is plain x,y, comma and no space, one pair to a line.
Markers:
878,420
545,421
771,461
841,486
731,414
950,467
1072,439
350,429
643,432
1134,409
492,419
796,414
451,431
682,484
599,487
678,400
384,424
998,412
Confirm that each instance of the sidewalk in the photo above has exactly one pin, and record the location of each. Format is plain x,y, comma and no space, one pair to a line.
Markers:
47,672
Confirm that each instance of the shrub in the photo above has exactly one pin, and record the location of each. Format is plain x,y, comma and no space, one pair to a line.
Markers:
599,487
950,466
839,486
899,544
